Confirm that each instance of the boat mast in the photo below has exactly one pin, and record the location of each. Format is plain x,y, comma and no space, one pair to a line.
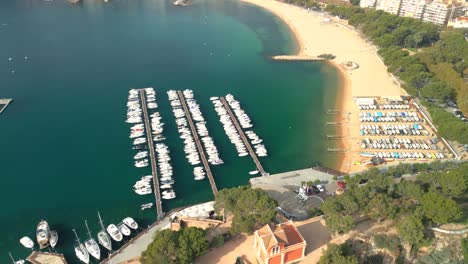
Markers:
87,228
77,238
12,259
100,221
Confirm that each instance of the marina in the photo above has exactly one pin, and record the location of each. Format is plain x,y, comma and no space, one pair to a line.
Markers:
198,144
243,137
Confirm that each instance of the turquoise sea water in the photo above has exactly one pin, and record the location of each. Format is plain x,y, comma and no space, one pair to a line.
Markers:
64,146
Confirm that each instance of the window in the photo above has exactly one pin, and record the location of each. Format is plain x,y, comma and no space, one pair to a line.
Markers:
275,250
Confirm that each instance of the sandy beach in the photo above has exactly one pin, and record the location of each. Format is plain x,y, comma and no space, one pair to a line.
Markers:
318,34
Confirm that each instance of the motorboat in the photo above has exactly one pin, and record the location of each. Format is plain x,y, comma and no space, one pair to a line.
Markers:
130,222
141,154
91,245
103,237
26,242
146,206
139,140
143,191
141,163
253,172
53,238
43,234
169,196
165,186
124,229
80,250
114,232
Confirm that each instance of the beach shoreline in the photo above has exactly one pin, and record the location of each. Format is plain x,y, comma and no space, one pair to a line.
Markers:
317,33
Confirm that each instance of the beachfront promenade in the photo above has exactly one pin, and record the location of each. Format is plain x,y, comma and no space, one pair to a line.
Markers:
154,171
244,138
198,143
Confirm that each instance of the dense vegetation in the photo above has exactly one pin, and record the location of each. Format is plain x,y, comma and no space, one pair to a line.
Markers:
429,200
338,254
434,73
251,207
170,247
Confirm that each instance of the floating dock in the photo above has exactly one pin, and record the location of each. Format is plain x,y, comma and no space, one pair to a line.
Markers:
197,141
244,138
37,257
5,103
154,170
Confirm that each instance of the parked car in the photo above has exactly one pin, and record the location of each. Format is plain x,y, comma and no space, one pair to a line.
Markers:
321,188
341,184
316,190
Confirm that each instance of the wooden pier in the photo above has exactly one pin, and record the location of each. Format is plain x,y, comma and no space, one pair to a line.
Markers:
244,138
197,141
154,170
5,103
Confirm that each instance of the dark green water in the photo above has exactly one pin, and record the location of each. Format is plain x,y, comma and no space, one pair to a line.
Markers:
64,146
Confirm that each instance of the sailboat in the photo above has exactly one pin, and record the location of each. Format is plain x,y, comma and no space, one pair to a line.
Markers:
80,250
53,238
16,261
103,237
91,244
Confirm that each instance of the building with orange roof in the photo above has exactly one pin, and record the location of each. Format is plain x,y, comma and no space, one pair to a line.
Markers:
279,244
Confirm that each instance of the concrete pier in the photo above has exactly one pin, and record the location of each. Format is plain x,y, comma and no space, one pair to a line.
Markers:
197,141
244,138
154,170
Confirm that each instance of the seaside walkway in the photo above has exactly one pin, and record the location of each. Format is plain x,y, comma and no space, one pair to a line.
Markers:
5,103
197,141
244,138
154,170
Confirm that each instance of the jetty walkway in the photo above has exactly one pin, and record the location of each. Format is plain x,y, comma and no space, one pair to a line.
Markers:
244,138
154,170
197,141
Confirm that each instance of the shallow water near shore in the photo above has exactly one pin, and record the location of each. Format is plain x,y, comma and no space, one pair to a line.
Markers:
65,151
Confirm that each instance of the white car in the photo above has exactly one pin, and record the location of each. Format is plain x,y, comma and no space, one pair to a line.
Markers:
321,188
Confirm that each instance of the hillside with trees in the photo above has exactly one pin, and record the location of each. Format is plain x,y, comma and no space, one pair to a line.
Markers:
411,207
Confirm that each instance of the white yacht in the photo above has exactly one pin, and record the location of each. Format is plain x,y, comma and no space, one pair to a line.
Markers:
53,238
143,191
254,172
27,242
114,232
141,154
91,245
43,234
141,163
139,140
130,222
168,194
80,250
103,237
124,229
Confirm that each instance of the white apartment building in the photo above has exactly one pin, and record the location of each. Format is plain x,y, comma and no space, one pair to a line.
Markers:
389,6
367,3
412,8
437,13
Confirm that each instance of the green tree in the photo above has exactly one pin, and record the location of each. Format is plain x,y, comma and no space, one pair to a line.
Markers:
337,254
192,243
163,249
348,204
251,207
438,90
439,209
380,207
409,189
453,183
339,223
411,230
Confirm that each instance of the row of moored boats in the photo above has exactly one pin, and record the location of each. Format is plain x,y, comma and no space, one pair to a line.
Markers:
138,133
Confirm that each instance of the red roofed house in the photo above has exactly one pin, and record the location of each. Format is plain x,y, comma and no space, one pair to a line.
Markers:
279,244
